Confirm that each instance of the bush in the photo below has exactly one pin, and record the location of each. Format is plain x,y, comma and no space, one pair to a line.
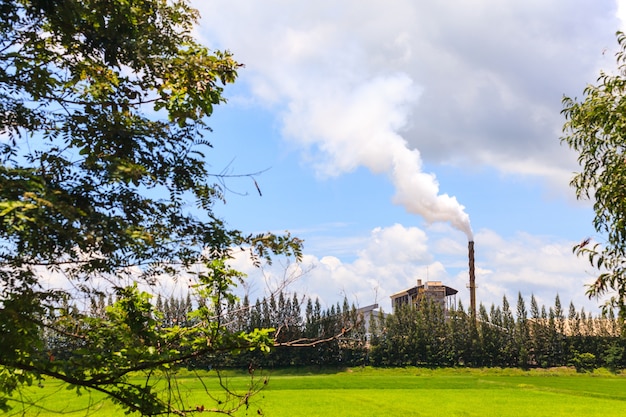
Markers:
583,362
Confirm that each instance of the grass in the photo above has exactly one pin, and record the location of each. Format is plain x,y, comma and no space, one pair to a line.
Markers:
446,392
379,392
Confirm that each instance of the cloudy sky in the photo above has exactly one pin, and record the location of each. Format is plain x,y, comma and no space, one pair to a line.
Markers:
390,132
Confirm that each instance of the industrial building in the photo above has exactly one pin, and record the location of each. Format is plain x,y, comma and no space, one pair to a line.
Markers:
434,291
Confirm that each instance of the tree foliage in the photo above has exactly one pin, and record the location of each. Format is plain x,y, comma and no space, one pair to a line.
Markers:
104,181
425,336
595,128
419,337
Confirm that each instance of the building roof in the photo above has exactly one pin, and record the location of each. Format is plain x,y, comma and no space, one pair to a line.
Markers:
414,290
367,308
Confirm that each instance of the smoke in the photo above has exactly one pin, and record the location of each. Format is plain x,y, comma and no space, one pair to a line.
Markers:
346,128
344,89
418,192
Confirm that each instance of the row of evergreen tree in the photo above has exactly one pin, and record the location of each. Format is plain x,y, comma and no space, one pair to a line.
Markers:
531,336
307,334
538,337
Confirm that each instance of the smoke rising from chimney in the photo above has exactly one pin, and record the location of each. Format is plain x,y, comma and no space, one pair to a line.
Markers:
418,192
358,125
343,94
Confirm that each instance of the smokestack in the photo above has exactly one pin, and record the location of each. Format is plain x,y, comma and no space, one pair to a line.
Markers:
472,279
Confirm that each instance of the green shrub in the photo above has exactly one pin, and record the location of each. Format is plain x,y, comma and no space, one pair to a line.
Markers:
583,362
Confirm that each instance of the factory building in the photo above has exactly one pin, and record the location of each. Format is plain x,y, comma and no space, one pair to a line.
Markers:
434,291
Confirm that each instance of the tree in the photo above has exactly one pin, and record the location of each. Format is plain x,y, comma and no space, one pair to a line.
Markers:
595,129
559,323
458,338
509,351
522,335
104,178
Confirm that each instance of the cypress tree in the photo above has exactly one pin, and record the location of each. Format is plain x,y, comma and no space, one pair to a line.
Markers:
509,351
521,333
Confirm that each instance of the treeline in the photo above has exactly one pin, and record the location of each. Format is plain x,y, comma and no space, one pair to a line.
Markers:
528,336
306,334
532,337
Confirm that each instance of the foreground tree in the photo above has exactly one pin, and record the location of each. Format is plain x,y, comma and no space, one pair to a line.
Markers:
104,185
596,128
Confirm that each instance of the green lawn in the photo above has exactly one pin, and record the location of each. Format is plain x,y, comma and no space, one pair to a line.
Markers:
389,392
418,392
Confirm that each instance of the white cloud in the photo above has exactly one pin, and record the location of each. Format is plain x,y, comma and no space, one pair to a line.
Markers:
491,74
621,13
397,244
396,256
539,265
387,85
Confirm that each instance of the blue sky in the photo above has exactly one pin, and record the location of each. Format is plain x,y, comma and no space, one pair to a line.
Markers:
383,126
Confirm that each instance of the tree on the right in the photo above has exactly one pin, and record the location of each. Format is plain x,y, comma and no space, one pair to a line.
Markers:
595,127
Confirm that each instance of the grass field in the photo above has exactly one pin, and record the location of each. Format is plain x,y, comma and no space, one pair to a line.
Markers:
387,392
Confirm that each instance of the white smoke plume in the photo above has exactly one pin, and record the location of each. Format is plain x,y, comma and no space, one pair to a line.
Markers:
360,127
344,89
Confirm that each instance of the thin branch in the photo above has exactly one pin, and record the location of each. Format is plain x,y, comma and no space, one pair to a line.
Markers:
308,342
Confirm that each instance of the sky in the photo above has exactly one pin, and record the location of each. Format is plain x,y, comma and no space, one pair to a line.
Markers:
386,134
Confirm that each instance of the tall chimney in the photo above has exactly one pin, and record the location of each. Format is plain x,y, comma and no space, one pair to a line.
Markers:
472,279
